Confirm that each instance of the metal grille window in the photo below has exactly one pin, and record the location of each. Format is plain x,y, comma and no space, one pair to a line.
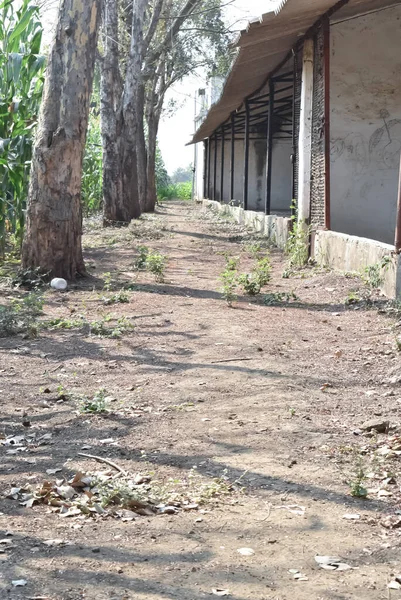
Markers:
296,122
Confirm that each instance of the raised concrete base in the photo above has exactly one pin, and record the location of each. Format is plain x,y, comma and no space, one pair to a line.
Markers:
352,253
275,228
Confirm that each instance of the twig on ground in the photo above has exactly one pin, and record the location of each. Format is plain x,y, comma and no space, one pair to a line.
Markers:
215,362
103,460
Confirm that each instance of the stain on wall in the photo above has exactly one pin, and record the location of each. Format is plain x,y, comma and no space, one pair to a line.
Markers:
365,145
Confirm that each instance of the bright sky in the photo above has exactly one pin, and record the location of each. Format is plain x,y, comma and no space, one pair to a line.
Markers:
176,131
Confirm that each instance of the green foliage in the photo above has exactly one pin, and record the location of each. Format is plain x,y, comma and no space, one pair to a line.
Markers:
176,191
374,274
21,82
92,185
156,264
31,279
162,177
182,175
95,405
277,298
229,285
297,248
21,316
143,255
120,297
253,282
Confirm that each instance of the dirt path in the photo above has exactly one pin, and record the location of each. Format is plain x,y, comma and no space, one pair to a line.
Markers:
237,393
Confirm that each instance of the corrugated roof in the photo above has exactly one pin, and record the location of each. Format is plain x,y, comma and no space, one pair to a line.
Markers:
264,45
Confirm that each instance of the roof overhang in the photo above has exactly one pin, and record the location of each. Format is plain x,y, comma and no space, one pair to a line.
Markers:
265,44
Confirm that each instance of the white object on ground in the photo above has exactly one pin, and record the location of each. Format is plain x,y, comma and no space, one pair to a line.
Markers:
58,284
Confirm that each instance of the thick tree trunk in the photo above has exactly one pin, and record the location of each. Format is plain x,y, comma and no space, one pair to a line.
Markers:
141,157
54,218
132,133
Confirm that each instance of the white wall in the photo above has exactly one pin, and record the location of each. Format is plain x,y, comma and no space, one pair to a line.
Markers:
365,96
199,166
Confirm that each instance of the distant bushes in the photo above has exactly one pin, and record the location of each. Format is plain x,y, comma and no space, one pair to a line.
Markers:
175,191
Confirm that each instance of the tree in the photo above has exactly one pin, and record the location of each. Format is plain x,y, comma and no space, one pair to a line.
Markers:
160,54
54,218
182,174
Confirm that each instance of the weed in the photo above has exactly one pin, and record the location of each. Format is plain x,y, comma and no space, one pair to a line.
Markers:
107,282
20,316
143,255
292,412
254,250
31,279
120,297
398,343
356,483
297,247
156,264
374,274
352,298
253,282
95,405
115,330
62,323
275,298
229,282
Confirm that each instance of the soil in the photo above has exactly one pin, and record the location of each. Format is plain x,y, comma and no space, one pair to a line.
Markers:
270,398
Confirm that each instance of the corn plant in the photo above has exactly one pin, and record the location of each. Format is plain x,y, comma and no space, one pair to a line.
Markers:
21,81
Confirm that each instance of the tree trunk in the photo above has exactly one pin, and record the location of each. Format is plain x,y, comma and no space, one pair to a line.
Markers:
134,172
151,190
110,98
54,217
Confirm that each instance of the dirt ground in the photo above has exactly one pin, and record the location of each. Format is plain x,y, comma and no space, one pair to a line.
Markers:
269,398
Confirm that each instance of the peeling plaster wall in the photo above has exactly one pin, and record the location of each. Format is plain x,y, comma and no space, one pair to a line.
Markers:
365,96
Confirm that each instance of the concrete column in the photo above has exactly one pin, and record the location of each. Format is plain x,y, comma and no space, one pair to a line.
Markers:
305,133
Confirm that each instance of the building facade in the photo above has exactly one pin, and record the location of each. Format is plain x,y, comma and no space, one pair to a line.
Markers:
310,117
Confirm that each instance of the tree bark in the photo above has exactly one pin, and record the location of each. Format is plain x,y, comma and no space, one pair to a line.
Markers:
153,119
134,160
110,99
54,217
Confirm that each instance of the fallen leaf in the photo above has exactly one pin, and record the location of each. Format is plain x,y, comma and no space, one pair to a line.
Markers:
220,592
352,517
53,471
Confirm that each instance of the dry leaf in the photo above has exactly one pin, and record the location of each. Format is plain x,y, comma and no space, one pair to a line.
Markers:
220,592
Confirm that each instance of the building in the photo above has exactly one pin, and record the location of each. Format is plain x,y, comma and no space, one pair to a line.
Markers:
310,117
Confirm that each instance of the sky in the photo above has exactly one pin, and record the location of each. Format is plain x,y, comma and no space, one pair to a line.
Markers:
176,131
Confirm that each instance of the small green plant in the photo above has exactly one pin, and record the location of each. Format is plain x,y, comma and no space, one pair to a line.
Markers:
297,247
253,249
253,282
21,316
374,274
107,327
156,264
276,298
107,282
120,297
398,343
292,412
62,323
352,298
30,279
143,255
95,405
229,285
356,484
